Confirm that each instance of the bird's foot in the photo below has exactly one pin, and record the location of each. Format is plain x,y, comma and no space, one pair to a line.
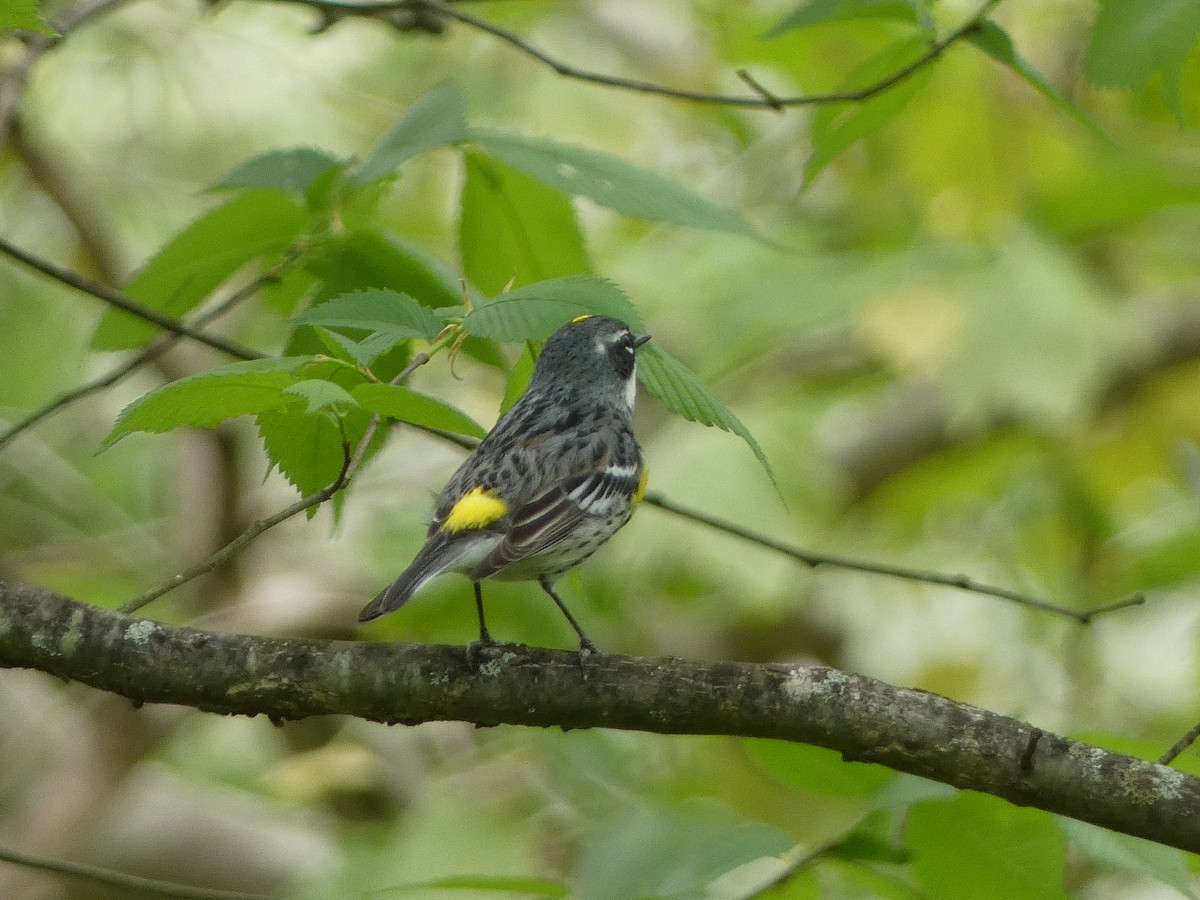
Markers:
476,648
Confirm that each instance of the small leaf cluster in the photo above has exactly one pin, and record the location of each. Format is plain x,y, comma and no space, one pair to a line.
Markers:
360,302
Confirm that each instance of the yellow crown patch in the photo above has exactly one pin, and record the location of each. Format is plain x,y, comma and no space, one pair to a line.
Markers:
581,318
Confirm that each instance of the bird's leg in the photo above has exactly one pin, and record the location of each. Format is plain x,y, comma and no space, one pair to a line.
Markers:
585,642
485,636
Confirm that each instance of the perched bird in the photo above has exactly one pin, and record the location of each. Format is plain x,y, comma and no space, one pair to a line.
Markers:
556,478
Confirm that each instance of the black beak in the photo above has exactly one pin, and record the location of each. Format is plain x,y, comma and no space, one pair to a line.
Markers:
640,339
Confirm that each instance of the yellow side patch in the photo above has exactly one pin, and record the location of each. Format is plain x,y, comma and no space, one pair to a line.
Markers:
581,318
641,488
476,508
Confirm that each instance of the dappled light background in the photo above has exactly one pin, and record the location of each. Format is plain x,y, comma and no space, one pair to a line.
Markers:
968,344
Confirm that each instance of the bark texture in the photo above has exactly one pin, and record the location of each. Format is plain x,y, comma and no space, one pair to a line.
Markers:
864,719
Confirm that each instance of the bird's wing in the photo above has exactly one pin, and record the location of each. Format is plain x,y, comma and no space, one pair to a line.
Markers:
548,518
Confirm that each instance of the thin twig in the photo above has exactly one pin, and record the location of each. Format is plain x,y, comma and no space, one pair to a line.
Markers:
99,875
244,539
760,99
350,465
963,582
120,301
1180,745
12,84
147,354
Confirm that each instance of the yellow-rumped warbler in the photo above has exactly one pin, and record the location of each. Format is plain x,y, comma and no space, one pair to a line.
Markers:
557,477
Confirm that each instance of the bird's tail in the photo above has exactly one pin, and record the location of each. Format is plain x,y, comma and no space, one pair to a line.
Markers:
437,556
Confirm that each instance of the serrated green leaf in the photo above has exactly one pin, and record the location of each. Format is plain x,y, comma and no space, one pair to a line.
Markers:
1132,40
611,182
361,353
981,847
1120,851
291,170
822,12
377,310
407,405
683,393
513,229
320,395
308,449
837,126
536,311
209,398
995,42
437,119
22,15
195,262
817,769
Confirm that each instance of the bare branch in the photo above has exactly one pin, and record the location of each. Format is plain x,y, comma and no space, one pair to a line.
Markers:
243,540
98,875
120,301
149,353
962,582
760,99
863,719
1180,745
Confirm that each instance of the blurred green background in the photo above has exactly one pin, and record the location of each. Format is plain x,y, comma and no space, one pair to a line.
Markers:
969,345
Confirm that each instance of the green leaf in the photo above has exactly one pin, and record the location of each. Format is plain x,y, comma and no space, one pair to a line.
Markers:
362,353
519,378
306,448
320,395
611,182
1132,40
192,265
437,119
822,12
995,42
22,15
535,887
981,847
817,769
685,394
671,852
377,310
514,229
538,310
837,126
401,403
209,398
292,171
1120,851
367,259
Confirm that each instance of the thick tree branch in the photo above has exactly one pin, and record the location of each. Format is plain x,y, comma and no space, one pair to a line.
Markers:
865,720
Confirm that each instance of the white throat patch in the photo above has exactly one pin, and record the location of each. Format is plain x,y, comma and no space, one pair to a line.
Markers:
631,387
